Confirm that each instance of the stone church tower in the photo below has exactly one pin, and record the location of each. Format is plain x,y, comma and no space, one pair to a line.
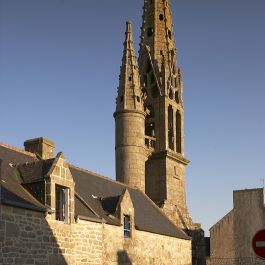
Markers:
130,120
150,120
164,124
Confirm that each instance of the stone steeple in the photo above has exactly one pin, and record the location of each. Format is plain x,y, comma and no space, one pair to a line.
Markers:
129,90
158,44
162,84
129,120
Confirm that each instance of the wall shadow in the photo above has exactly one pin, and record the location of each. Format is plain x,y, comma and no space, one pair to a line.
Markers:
26,236
123,258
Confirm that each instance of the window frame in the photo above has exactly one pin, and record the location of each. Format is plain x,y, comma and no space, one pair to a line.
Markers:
127,226
62,204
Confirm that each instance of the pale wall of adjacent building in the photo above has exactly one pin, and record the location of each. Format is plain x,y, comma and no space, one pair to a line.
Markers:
231,237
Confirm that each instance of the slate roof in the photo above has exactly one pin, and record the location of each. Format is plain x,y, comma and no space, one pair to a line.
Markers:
32,171
12,190
96,196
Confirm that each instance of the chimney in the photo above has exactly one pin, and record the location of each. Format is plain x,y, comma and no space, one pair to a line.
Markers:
40,146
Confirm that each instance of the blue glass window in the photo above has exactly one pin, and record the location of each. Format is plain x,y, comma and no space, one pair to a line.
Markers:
127,226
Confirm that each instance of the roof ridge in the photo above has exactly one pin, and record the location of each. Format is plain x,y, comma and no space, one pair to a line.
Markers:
11,147
101,176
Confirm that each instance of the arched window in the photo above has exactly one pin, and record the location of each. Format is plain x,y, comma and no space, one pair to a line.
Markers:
178,132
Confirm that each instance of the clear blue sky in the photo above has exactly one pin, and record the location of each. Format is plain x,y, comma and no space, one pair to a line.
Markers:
59,67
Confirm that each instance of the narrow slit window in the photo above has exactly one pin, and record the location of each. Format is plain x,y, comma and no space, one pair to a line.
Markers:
150,32
170,128
178,132
127,226
169,34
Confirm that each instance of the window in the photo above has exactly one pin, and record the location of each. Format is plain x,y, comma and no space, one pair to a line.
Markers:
150,32
177,96
127,226
170,128
62,196
169,34
178,132
150,129
161,17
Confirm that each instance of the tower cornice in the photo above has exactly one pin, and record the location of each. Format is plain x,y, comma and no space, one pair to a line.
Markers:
173,155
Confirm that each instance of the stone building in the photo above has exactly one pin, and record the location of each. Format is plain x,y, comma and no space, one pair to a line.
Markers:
150,120
54,213
231,237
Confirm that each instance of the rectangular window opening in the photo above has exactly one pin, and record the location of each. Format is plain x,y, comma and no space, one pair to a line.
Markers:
62,204
127,226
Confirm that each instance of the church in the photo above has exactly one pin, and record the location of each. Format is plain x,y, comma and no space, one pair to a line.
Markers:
55,213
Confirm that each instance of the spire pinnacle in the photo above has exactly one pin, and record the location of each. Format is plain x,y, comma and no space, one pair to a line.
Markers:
129,90
158,45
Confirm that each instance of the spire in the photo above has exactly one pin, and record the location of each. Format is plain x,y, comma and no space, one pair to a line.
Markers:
129,90
158,45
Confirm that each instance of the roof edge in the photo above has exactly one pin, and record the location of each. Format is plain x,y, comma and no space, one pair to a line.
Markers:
100,176
11,147
23,206
188,238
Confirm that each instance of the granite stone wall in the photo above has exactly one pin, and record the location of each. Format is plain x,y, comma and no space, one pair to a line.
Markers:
144,248
32,238
27,237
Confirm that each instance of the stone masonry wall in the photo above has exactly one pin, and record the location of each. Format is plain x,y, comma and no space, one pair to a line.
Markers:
130,148
144,248
27,237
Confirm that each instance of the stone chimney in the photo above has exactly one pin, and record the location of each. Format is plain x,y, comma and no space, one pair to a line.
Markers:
40,146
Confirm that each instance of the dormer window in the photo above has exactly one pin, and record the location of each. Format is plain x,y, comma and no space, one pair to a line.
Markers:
62,204
127,226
